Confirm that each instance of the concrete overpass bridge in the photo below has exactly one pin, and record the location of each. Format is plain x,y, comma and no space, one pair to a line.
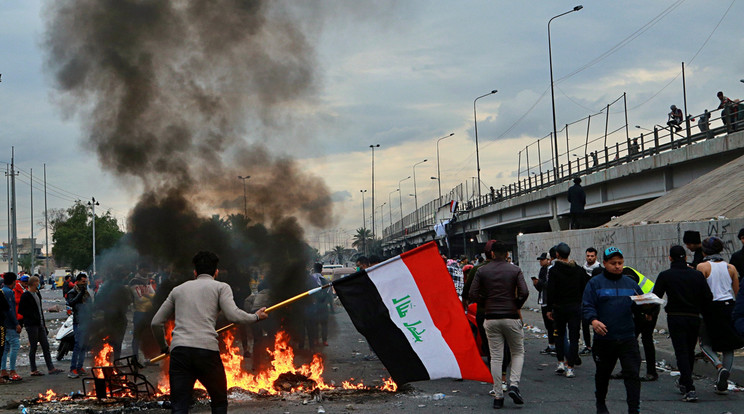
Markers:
616,180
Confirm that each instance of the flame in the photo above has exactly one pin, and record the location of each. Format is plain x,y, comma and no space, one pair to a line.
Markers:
164,381
103,359
282,361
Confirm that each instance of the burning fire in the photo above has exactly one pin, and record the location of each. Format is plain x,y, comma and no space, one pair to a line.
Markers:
103,359
282,363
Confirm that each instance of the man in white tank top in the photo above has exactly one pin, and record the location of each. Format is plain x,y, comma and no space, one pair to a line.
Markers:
716,332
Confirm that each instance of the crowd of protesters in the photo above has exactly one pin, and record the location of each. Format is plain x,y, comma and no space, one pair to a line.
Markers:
616,302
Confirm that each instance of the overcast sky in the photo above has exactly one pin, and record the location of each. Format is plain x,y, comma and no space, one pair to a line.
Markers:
402,74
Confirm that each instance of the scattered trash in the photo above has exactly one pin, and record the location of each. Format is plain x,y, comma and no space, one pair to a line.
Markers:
349,407
662,331
421,405
674,373
437,396
321,410
454,391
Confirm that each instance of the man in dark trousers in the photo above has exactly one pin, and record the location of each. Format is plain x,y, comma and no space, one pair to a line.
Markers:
541,282
687,293
577,198
566,282
737,259
608,307
694,244
195,349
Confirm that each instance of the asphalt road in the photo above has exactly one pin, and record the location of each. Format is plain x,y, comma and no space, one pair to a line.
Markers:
542,389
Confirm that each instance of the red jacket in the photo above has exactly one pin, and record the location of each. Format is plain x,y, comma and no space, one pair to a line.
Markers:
18,291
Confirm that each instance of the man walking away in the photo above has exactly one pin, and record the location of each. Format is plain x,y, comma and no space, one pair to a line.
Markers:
645,323
80,301
566,282
12,331
194,349
737,259
35,325
687,293
540,282
590,265
717,333
692,240
609,309
501,285
577,199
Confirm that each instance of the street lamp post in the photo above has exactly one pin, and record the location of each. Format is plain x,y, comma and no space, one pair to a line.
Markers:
439,173
364,224
552,91
382,216
373,188
477,154
245,197
390,209
93,203
400,202
415,193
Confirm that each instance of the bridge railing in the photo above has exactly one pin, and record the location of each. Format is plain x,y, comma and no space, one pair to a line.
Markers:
651,143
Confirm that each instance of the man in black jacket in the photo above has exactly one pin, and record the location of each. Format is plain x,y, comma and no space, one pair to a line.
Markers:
80,301
737,259
577,198
687,292
33,320
566,282
540,282
692,240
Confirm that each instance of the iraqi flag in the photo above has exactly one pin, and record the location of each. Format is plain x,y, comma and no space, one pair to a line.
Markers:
408,310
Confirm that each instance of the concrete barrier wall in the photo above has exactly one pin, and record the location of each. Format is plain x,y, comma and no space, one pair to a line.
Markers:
645,247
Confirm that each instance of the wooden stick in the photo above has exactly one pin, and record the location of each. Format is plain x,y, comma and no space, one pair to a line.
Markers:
269,309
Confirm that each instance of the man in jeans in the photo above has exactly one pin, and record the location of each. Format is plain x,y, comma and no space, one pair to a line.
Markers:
566,281
194,348
608,308
80,301
12,331
687,293
501,285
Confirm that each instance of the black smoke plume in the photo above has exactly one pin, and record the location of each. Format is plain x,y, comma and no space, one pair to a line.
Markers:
181,96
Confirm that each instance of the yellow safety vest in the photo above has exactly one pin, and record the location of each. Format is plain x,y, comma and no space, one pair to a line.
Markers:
645,283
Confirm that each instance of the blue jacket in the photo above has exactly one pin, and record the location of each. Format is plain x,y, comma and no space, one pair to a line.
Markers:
608,299
738,314
11,321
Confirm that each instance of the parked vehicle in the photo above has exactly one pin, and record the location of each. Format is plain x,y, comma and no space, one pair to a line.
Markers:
66,337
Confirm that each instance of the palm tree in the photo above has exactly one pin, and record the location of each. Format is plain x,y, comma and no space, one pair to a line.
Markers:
339,252
362,239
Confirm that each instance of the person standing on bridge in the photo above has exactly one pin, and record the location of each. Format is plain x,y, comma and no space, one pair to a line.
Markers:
194,349
609,309
577,199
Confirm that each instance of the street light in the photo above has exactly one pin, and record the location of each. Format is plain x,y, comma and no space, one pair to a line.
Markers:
364,225
477,154
552,91
439,173
373,187
645,129
400,202
93,203
245,198
390,208
415,193
382,216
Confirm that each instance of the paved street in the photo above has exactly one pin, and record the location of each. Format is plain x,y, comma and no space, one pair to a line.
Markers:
543,390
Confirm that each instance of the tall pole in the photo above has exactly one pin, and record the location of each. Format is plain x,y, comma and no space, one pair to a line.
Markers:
7,187
390,209
364,224
245,196
373,188
14,223
400,202
93,203
382,216
552,90
439,173
46,226
477,153
33,242
684,97
415,194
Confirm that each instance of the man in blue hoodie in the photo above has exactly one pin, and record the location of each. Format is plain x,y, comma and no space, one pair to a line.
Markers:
607,306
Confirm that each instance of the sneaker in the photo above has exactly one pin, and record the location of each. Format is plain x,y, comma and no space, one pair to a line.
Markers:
498,403
547,351
515,395
561,368
586,351
602,408
492,392
570,373
73,374
680,387
577,362
82,371
691,396
722,379
725,392
503,386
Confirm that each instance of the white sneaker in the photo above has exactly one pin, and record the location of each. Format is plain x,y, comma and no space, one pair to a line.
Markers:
561,368
503,386
570,373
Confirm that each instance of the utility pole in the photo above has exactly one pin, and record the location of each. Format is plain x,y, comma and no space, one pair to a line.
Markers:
7,189
33,242
13,222
93,203
46,226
